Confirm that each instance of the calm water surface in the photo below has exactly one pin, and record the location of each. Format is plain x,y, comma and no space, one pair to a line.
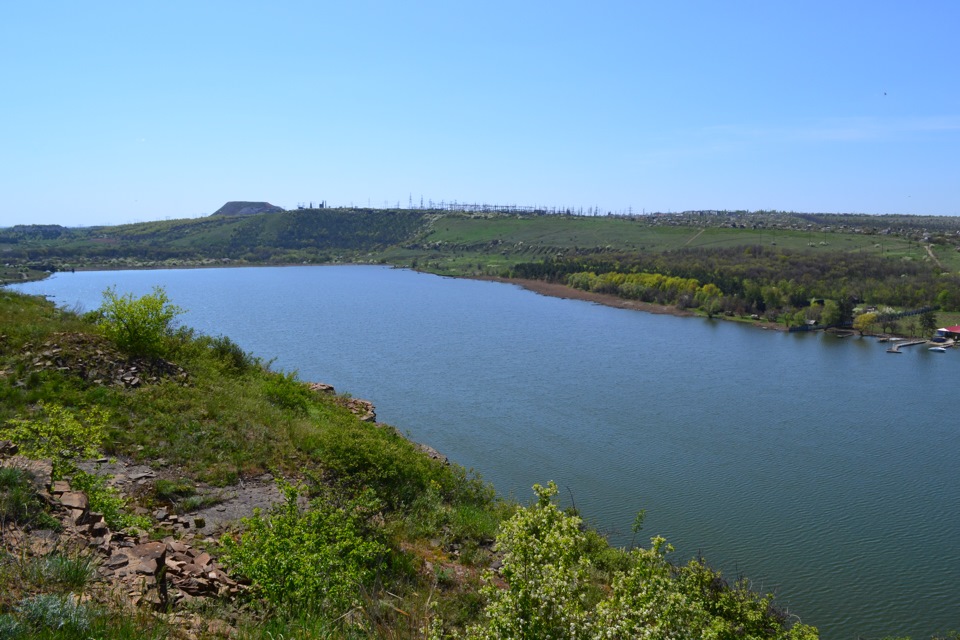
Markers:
825,470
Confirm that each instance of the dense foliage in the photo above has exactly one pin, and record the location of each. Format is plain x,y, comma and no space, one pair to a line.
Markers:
754,279
58,434
291,236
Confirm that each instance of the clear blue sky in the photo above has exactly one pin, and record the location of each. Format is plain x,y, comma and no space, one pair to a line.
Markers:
114,112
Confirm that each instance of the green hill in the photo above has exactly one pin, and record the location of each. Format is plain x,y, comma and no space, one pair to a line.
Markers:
765,265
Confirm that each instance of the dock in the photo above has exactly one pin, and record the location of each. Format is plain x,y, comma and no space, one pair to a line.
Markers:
896,347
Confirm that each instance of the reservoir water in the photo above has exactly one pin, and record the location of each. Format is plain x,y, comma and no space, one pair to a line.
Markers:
825,470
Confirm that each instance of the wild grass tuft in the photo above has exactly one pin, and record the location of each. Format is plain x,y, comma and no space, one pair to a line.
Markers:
20,503
72,571
51,612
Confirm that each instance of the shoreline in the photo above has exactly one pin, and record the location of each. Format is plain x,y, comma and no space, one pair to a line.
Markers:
551,289
542,287
557,290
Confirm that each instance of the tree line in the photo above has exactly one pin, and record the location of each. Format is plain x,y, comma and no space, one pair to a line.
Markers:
754,279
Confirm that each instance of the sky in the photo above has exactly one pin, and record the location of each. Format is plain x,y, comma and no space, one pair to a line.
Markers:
117,112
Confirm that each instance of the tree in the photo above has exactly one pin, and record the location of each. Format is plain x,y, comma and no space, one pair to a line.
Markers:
140,326
864,322
830,315
928,322
845,305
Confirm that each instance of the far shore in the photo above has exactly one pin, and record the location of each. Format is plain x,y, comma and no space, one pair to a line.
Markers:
557,290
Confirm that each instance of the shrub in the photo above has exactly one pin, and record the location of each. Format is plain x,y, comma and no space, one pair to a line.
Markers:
544,573
365,455
59,434
313,559
286,392
233,357
548,593
108,501
140,326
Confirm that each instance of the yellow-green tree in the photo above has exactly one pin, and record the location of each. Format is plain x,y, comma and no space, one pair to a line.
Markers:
864,322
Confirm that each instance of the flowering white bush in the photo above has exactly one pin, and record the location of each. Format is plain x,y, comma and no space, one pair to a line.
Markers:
544,575
647,602
543,591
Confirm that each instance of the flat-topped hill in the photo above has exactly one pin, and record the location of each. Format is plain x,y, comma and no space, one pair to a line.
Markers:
244,208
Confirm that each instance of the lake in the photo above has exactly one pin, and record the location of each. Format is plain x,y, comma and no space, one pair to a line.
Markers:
825,470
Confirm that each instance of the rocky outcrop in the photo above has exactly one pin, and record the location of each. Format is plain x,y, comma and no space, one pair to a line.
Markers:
366,412
160,574
363,409
96,360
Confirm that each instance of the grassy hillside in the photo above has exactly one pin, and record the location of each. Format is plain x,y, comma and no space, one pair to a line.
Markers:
763,265
374,537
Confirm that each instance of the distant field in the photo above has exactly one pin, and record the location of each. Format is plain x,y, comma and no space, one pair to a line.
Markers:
640,235
461,244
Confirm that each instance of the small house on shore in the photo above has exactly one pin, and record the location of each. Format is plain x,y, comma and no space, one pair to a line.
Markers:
949,332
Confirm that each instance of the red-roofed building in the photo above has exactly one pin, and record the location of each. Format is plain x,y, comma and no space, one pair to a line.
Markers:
950,332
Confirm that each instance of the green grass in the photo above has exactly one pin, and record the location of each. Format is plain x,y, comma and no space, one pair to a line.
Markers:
460,245
20,503
644,235
557,231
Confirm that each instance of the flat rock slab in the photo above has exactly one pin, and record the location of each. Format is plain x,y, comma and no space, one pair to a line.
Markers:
123,472
238,502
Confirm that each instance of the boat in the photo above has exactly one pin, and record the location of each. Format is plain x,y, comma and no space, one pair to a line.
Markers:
938,349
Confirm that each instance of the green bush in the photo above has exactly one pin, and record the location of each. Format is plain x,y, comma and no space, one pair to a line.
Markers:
234,358
549,591
286,392
108,501
545,576
365,455
139,326
316,559
59,434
